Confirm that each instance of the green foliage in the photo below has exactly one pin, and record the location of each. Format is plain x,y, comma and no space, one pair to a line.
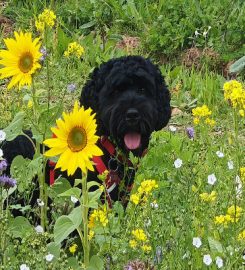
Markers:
67,224
238,65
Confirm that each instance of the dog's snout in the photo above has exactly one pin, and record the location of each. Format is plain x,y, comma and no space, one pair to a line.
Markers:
132,115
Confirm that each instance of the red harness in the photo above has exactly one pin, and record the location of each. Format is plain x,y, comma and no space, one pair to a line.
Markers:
112,179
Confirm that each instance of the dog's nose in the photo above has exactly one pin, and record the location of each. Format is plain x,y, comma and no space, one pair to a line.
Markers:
132,115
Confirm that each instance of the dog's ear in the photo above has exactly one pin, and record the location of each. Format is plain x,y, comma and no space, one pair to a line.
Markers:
163,101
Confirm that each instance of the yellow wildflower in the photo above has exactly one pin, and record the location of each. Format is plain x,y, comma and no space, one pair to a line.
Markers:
223,219
196,121
90,235
202,111
135,198
242,113
234,92
241,236
99,216
206,197
74,49
234,211
29,104
242,172
46,18
73,248
139,235
210,122
147,186
133,243
146,248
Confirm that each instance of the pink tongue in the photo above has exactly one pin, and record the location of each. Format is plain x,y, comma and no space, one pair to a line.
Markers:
132,140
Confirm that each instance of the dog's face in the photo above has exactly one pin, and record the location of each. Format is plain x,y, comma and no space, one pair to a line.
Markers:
130,100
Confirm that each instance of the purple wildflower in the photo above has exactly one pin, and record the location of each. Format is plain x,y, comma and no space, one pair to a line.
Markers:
190,132
71,87
3,165
44,53
7,182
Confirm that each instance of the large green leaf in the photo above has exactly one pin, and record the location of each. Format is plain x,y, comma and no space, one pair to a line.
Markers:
20,226
238,66
67,224
24,170
15,127
96,263
215,245
76,192
61,185
93,198
54,249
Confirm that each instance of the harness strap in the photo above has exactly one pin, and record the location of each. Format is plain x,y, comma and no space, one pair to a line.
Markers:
51,165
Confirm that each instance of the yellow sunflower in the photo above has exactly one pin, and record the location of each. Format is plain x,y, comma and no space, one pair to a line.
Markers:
75,140
20,60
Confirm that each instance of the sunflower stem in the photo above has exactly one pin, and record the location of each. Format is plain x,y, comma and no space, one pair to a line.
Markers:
85,222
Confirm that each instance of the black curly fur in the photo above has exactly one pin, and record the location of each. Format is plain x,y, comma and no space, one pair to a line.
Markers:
129,71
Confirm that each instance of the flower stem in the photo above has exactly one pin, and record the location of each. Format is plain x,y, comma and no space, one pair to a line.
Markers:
85,221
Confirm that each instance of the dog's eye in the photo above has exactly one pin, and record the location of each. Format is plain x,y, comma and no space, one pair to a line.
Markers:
141,90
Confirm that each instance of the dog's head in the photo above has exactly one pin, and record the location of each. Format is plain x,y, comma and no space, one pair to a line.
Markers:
130,99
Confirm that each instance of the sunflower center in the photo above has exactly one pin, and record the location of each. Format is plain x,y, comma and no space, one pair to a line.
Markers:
77,139
26,62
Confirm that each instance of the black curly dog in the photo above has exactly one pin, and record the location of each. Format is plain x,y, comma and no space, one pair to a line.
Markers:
131,100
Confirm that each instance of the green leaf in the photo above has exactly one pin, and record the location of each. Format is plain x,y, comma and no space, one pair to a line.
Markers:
61,185
92,184
76,192
15,127
6,193
88,25
215,245
67,224
54,249
20,226
238,65
118,208
96,263
76,216
93,198
24,170
73,263
77,182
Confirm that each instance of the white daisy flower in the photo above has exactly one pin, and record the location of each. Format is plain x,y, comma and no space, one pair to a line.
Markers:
74,199
196,241
172,128
238,186
207,259
1,153
197,33
148,223
154,205
178,163
39,229
230,165
24,267
220,154
212,179
219,262
40,202
49,257
243,257
2,135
